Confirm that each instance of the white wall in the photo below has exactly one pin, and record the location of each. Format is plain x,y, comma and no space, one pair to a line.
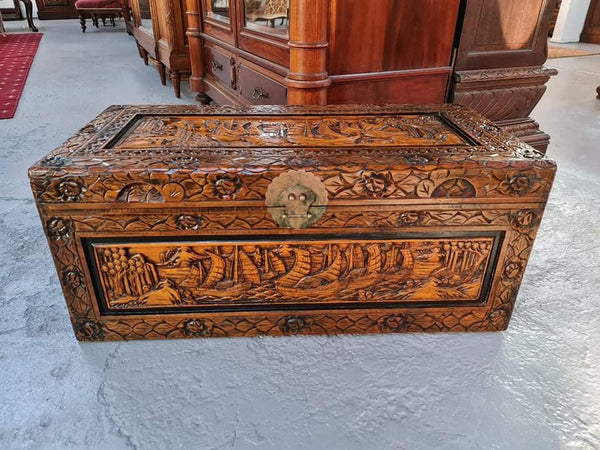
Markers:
571,18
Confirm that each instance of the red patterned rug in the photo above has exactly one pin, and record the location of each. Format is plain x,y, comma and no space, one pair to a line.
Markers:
16,56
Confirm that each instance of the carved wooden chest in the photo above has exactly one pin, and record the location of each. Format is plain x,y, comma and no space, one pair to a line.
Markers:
169,222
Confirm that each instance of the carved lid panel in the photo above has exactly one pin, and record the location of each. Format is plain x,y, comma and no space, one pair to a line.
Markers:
160,154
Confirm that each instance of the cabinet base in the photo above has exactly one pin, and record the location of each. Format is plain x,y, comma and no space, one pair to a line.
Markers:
203,98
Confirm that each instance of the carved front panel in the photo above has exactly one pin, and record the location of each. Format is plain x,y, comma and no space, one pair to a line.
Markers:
154,131
142,275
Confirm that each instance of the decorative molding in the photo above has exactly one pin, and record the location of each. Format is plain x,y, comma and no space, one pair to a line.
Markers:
511,73
241,219
503,103
505,95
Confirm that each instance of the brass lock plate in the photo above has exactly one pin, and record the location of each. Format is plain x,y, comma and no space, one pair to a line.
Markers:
296,199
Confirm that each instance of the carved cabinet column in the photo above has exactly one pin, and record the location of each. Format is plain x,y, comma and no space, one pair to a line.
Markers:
499,69
307,80
196,50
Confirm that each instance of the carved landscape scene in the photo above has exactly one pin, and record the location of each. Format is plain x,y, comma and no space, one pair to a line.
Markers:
421,130
167,275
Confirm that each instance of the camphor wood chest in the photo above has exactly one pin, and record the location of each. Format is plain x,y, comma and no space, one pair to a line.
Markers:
169,222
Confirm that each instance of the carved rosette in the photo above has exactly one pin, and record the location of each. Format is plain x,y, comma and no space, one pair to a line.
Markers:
395,322
377,184
189,222
519,183
89,330
195,328
295,324
58,228
67,189
525,220
225,186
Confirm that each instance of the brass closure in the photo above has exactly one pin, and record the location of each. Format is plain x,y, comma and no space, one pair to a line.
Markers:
296,199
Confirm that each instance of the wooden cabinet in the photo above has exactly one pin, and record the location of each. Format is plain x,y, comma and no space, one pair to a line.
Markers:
159,30
298,51
591,29
56,9
499,65
488,54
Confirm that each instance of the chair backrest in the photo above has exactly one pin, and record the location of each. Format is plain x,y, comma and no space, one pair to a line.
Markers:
276,7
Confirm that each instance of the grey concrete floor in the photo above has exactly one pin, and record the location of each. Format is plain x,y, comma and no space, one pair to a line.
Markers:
536,386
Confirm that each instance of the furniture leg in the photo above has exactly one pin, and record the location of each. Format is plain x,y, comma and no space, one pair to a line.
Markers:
95,20
2,30
203,98
29,15
82,22
103,21
112,21
143,53
176,80
162,72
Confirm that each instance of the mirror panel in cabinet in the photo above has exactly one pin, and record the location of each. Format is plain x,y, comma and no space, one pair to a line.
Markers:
219,10
268,16
145,14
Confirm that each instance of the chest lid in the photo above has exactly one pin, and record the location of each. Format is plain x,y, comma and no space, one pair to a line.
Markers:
381,154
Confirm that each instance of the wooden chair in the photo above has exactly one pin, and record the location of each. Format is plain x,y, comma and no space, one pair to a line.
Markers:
19,16
98,10
267,10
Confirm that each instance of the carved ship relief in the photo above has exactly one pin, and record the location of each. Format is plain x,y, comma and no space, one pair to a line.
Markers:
158,275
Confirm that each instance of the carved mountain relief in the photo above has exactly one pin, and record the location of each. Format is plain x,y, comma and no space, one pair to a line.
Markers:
157,275
150,132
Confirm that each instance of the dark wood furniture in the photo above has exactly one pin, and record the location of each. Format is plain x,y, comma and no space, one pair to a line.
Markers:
167,222
380,51
16,14
97,10
56,9
499,68
591,28
307,60
159,30
554,17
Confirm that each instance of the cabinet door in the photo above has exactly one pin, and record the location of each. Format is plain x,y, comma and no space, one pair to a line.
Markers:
591,29
504,33
143,29
263,29
218,19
